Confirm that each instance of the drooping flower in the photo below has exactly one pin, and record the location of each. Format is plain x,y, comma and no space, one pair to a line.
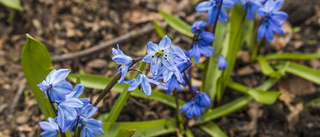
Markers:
123,61
273,19
90,126
56,85
203,99
251,6
192,109
222,63
181,60
173,83
159,54
51,128
197,50
212,6
67,109
201,44
143,81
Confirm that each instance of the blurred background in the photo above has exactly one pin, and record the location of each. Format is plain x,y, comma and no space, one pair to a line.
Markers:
71,26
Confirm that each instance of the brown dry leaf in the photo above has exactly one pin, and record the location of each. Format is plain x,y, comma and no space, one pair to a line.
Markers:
168,6
280,41
295,109
246,70
315,63
299,86
244,56
142,16
255,113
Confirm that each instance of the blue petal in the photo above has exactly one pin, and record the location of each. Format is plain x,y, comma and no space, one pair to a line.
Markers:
261,31
227,4
269,35
204,6
152,48
43,85
122,59
185,107
165,42
222,63
57,76
212,14
277,5
223,15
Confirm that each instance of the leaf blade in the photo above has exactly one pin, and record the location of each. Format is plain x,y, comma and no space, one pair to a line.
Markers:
177,24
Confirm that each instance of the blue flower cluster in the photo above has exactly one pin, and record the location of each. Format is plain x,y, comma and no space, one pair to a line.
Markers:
273,19
70,109
201,44
167,62
195,107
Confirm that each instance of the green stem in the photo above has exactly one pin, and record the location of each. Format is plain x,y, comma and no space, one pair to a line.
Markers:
179,118
107,89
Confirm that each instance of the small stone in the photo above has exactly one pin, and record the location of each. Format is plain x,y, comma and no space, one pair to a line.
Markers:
97,64
22,119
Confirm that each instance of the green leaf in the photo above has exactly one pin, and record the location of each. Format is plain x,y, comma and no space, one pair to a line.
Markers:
258,95
158,29
236,26
293,56
267,69
212,77
14,4
177,23
213,130
233,105
126,132
313,102
36,65
143,129
302,71
100,82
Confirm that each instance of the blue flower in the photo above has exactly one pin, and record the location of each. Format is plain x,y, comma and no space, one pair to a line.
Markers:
192,109
56,84
173,83
67,111
51,128
251,6
181,60
143,81
212,6
197,50
203,99
123,61
198,26
91,127
222,63
273,19
158,55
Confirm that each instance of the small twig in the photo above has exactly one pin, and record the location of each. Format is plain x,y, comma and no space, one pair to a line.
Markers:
107,89
14,103
96,48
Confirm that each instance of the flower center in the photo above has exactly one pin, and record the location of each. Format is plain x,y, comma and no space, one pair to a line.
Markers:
159,53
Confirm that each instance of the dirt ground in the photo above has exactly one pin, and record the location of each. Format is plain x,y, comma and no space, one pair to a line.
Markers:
68,26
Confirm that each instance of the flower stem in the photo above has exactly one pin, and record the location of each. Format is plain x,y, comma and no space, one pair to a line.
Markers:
217,17
188,80
107,89
179,118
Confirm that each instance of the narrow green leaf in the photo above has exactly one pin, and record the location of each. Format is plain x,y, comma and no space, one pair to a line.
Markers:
258,95
189,133
213,130
177,23
302,71
158,29
143,129
236,26
233,105
211,83
267,69
126,132
293,56
36,65
99,82
313,102
14,4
